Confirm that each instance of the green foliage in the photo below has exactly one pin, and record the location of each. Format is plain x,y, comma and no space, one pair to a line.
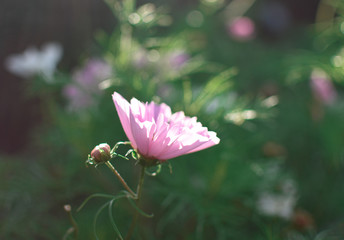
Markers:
255,94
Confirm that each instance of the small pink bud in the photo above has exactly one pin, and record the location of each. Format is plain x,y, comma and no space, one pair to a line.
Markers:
101,153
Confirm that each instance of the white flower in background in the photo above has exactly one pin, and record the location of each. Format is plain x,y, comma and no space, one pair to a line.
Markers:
278,204
33,61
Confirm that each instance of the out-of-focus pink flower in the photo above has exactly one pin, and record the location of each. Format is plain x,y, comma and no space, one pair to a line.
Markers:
178,59
159,135
77,98
322,87
140,58
92,74
85,86
242,28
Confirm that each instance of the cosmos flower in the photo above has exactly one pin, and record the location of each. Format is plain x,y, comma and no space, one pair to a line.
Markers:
32,61
157,134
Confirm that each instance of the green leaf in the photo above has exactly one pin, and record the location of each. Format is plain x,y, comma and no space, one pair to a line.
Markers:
156,172
112,219
139,210
96,217
93,196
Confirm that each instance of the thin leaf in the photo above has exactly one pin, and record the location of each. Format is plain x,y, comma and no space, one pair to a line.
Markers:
93,196
139,210
96,217
113,221
156,172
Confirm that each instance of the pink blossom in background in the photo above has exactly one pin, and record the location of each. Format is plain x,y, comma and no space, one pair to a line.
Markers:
167,91
85,85
92,74
158,134
178,59
322,87
77,98
140,58
242,28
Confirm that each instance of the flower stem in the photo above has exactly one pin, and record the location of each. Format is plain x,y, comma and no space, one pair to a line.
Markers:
125,185
74,229
138,194
117,145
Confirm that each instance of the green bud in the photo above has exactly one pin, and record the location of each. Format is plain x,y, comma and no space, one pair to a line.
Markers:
101,153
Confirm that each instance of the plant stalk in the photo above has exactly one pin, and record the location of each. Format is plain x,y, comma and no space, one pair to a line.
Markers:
74,229
125,185
138,194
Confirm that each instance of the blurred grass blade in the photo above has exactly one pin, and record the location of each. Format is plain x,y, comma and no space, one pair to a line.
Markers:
217,85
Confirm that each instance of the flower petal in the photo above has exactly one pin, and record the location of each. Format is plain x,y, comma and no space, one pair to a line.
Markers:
142,133
159,142
155,110
123,109
213,140
183,145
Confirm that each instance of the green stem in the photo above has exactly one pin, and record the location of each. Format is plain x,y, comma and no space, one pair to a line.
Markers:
113,150
125,185
125,43
138,194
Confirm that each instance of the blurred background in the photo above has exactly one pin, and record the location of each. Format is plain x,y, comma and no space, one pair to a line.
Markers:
266,75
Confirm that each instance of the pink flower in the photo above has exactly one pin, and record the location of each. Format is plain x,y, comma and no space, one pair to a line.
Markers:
77,98
241,28
178,59
92,73
82,92
159,135
322,87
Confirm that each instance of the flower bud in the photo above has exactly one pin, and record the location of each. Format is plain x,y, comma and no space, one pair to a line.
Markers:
101,153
